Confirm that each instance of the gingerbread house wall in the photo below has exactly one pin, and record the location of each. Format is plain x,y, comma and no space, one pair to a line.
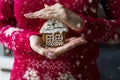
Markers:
54,40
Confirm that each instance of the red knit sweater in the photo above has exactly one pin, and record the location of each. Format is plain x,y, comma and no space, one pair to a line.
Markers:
77,64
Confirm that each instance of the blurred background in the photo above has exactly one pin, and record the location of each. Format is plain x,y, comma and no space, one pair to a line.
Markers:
6,61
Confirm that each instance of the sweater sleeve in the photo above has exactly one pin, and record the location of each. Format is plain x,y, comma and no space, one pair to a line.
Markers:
10,36
103,30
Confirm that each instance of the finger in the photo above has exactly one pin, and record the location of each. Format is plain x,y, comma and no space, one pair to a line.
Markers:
30,15
51,55
46,6
80,39
68,46
46,14
67,40
36,45
77,41
47,52
35,14
49,15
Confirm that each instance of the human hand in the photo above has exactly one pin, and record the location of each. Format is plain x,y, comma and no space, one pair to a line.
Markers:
58,11
51,53
37,46
70,44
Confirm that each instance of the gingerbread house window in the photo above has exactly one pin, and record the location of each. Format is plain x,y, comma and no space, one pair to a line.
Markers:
59,37
56,40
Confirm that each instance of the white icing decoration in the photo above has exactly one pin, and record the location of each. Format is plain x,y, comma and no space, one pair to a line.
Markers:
53,26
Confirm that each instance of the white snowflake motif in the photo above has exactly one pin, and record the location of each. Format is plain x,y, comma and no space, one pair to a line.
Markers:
66,76
31,74
47,76
9,31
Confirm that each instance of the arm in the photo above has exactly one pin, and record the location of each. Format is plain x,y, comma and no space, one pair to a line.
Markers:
24,40
100,29
93,29
103,30
11,36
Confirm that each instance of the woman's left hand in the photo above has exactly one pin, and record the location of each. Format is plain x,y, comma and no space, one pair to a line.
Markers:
58,11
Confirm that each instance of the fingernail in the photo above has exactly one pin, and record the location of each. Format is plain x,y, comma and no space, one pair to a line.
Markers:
51,55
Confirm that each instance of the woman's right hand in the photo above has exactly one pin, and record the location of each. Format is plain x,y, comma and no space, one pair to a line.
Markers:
58,11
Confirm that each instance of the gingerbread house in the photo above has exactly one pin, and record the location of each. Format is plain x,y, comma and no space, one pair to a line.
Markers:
53,33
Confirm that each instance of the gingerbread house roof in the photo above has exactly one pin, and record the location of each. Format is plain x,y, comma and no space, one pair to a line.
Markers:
53,26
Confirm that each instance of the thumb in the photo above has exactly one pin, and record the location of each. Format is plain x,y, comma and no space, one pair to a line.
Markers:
46,6
51,55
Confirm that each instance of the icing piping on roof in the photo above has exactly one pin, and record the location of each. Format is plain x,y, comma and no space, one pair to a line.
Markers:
53,26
